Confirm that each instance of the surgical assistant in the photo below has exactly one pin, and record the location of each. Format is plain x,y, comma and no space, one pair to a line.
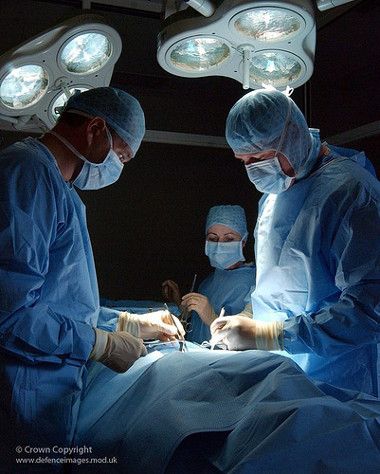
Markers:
317,246
230,284
49,301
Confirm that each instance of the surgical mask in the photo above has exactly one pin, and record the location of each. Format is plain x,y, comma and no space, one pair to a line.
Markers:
224,254
268,176
95,175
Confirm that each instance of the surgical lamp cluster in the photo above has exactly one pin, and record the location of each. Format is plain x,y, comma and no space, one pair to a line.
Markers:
256,42
37,77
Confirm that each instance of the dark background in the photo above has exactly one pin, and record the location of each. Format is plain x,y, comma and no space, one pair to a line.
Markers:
149,226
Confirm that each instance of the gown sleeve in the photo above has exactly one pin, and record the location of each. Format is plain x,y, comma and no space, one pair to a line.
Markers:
29,328
352,252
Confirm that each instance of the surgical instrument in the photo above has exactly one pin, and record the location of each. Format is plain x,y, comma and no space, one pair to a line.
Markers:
181,339
185,314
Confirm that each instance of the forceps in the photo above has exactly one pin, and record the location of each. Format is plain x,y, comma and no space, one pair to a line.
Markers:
180,338
184,315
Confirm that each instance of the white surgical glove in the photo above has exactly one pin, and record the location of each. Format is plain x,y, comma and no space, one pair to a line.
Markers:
240,333
200,304
247,311
117,350
155,325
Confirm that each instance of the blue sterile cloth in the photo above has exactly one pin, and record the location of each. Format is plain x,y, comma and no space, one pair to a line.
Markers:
218,411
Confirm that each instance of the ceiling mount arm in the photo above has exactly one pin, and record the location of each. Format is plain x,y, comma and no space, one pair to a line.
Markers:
327,4
204,7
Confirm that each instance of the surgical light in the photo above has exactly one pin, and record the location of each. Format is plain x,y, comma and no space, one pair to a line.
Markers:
254,42
86,53
268,24
38,76
199,54
277,68
23,86
60,101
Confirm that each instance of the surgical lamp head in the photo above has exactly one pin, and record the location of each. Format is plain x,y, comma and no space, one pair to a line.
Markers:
261,42
38,76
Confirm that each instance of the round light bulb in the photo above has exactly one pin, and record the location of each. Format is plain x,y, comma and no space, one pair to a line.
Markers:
86,53
24,86
199,54
268,24
275,68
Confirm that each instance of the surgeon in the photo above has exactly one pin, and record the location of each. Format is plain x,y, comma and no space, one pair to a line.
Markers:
230,284
317,246
49,302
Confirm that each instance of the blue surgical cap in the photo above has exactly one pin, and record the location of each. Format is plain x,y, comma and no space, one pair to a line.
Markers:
267,119
121,111
230,216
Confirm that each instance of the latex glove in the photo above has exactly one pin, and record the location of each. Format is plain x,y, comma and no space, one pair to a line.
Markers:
171,292
200,304
247,311
154,325
240,333
117,350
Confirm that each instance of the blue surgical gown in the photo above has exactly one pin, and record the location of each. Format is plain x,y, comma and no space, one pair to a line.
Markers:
230,289
49,300
317,249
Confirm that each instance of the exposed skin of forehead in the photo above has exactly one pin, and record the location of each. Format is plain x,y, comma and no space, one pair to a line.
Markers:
222,232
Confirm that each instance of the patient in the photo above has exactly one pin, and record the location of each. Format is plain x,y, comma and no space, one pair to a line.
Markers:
229,286
209,411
